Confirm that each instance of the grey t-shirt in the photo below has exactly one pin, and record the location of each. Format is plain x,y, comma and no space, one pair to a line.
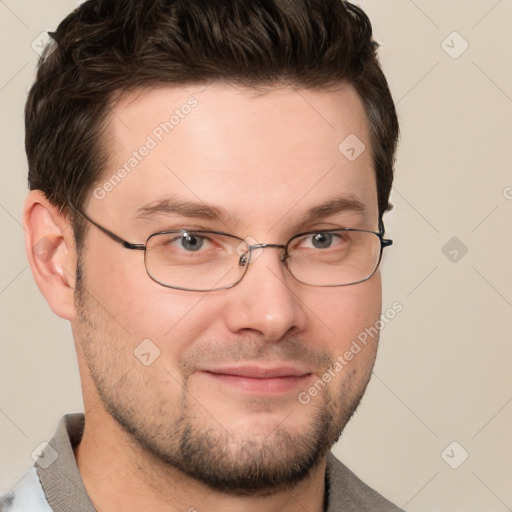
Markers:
54,484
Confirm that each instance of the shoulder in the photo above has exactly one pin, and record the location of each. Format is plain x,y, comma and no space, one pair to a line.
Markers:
347,492
27,495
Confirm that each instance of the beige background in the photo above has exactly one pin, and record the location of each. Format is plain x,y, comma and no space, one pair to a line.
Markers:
443,371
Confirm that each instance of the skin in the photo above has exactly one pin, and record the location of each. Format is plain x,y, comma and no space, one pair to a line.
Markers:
267,159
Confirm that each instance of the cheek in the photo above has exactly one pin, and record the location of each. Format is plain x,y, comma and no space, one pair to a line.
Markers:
141,307
346,313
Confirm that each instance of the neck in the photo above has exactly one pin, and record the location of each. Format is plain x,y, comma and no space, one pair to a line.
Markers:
119,475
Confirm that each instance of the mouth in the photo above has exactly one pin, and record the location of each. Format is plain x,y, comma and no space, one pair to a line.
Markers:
260,380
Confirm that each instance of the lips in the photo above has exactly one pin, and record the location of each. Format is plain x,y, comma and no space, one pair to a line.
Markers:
260,372
257,379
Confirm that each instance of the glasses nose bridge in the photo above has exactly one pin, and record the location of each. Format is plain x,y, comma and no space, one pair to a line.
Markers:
263,246
255,247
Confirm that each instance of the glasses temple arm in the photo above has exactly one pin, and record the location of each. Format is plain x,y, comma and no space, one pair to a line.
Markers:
109,233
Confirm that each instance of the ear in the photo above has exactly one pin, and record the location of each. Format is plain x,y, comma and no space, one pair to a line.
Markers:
51,252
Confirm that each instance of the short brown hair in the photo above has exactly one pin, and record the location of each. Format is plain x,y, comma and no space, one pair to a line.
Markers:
109,46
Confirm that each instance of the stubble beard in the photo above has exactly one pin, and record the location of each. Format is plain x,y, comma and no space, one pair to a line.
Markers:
236,464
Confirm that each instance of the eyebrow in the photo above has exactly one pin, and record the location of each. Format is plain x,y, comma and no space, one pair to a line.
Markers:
170,205
335,206
190,209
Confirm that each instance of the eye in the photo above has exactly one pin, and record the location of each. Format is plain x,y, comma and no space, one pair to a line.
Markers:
183,242
191,242
322,240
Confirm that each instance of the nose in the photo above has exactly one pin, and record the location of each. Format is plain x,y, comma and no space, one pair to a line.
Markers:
266,302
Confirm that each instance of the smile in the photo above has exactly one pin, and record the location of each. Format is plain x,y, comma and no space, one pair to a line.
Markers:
260,380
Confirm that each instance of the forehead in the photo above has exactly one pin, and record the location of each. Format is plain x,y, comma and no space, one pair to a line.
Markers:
259,156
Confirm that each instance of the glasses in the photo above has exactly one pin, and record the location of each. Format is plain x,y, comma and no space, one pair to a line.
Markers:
197,260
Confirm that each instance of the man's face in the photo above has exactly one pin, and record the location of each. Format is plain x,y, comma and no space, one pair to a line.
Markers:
221,400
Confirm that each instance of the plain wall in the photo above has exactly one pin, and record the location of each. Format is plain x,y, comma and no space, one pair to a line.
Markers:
443,371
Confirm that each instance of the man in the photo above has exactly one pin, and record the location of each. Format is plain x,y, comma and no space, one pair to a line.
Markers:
208,181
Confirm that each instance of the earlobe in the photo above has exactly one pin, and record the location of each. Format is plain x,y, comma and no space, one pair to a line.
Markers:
51,252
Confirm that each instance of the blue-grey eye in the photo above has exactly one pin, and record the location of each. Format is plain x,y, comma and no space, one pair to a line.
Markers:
191,242
322,240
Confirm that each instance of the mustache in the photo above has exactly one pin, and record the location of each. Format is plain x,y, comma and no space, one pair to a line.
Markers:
289,350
